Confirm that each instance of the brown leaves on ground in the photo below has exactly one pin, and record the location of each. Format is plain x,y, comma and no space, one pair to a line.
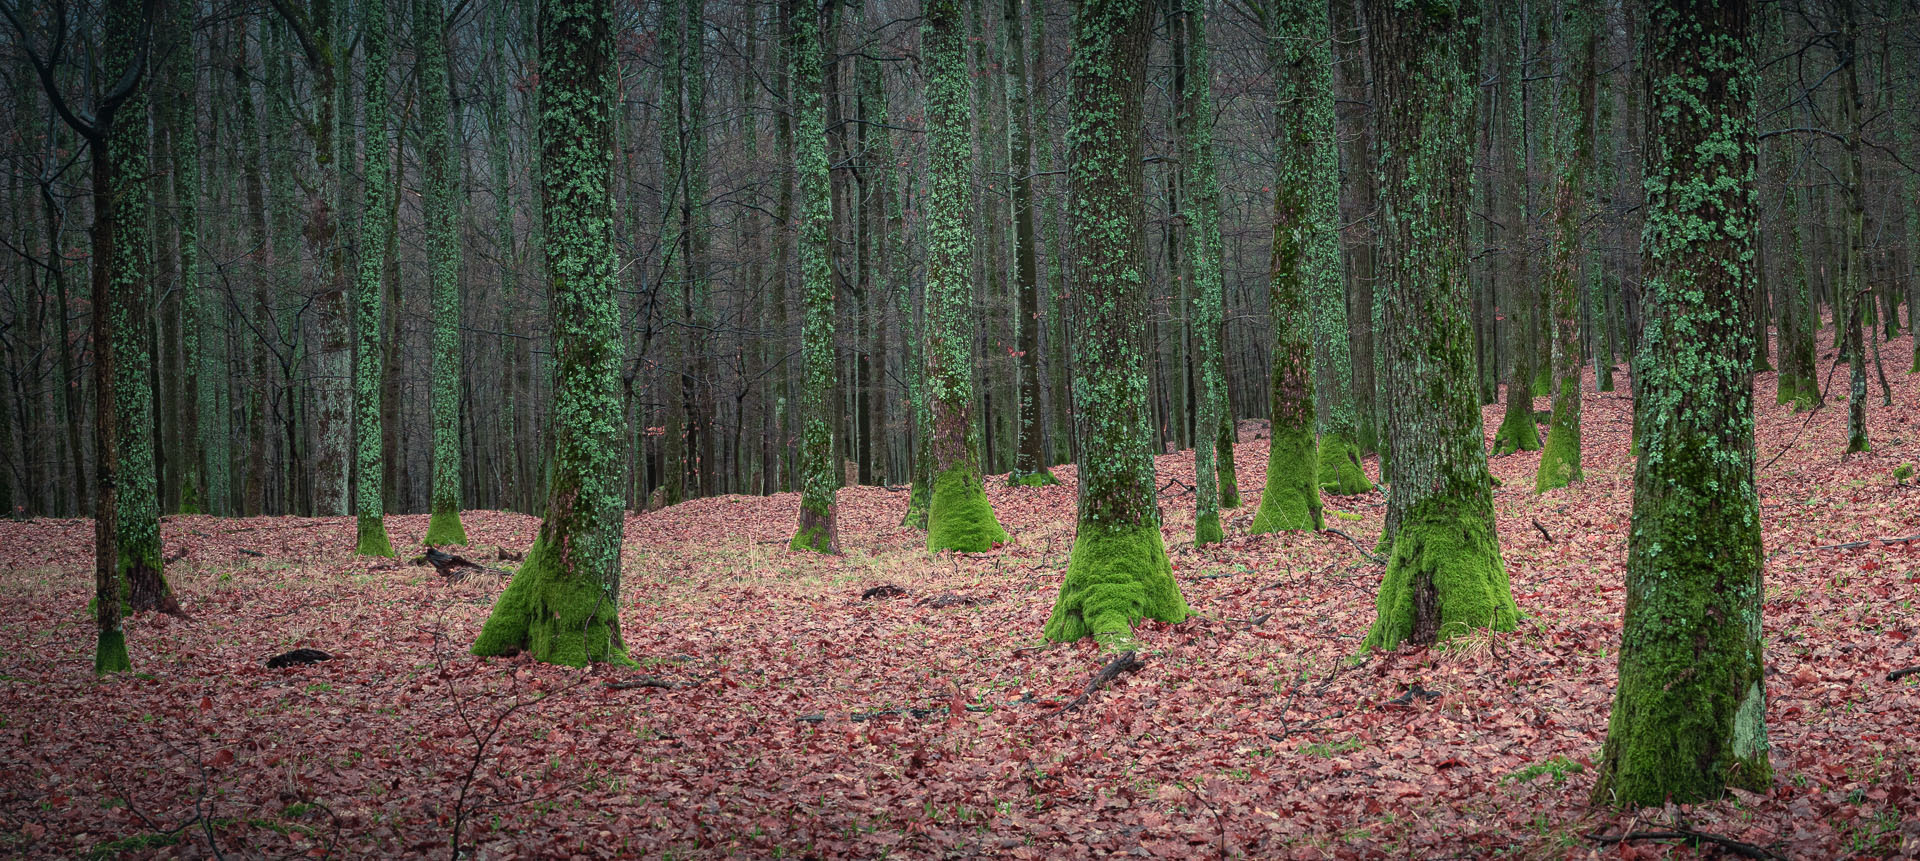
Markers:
932,730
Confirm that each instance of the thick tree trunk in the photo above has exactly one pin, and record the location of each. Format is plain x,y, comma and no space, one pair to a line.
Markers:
376,224
1689,716
442,214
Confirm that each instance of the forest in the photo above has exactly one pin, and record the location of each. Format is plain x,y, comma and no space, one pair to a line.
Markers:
959,428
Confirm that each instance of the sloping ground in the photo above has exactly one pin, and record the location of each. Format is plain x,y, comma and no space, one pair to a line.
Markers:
1253,730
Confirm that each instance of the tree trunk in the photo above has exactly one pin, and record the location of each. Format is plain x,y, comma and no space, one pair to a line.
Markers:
1560,462
376,224
818,472
441,211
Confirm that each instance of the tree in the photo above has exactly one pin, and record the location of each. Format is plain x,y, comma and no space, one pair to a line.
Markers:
1572,135
1689,715
958,514
1303,252
1030,467
563,605
442,215
1203,260
376,226
819,477
1517,431
1444,572
1852,295
1117,572
1306,39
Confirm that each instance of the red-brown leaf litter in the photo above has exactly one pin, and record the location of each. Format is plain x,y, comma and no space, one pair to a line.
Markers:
778,714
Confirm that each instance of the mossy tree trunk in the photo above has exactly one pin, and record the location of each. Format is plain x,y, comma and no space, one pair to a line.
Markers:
442,217
1689,716
1117,573
1444,572
1517,431
1306,34
376,224
1572,136
958,514
1203,261
1291,500
819,474
563,605
1851,293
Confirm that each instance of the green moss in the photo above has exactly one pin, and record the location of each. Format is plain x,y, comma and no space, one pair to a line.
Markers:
1517,431
373,537
1116,576
1292,498
445,528
558,616
1042,478
1341,473
110,656
815,533
1542,381
916,515
1206,529
1444,578
1560,462
959,516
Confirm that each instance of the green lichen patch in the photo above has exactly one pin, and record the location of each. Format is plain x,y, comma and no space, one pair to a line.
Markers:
1292,498
1341,472
1116,576
1444,578
559,616
373,537
959,516
445,528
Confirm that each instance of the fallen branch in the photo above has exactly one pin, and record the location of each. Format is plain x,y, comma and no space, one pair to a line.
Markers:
1897,675
1377,560
641,682
1744,850
1850,545
1543,530
1125,662
1186,488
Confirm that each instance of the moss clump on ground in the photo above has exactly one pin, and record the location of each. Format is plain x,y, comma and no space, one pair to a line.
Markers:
1206,529
1292,498
1116,576
1517,431
445,528
1560,462
959,517
557,616
1340,471
1042,478
373,538
110,656
1444,578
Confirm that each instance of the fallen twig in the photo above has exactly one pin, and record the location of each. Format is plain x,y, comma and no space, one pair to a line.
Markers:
1897,675
1377,560
1125,662
1543,530
1186,488
1742,849
641,682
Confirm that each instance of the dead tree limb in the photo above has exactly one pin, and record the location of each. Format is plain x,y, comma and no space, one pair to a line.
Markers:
1543,530
1125,662
1897,675
1850,545
1742,849
1377,560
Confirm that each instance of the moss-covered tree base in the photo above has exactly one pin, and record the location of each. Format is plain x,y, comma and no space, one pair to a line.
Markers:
1115,577
1444,578
444,529
1042,478
959,517
1206,529
148,589
556,617
1517,432
1560,461
110,655
1341,473
916,516
1292,498
815,532
373,537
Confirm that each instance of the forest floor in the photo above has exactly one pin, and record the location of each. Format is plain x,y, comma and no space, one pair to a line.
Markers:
786,724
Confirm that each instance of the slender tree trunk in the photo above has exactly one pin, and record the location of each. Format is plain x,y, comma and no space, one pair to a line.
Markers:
1851,296
818,473
1572,136
1030,463
442,214
375,226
